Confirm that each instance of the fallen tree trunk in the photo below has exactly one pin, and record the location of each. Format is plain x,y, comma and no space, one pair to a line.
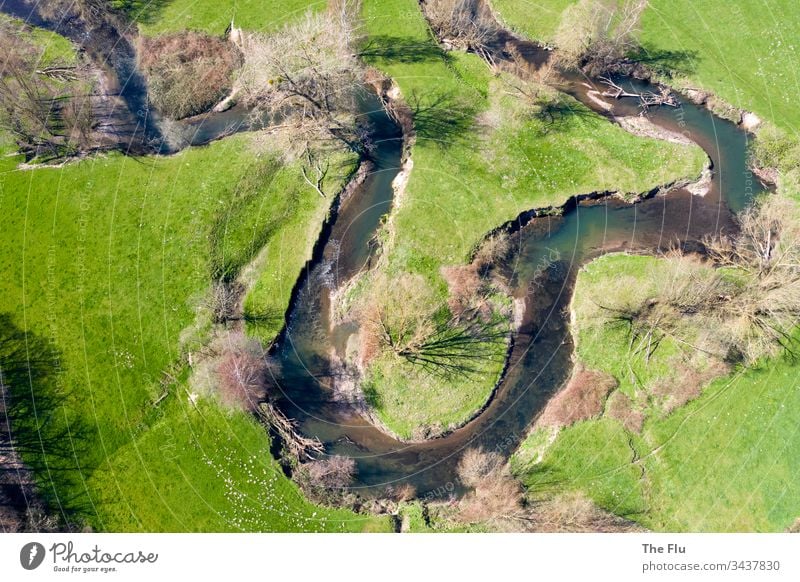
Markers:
300,447
646,99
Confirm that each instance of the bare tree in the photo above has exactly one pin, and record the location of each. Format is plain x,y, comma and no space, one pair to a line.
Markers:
405,318
464,24
497,498
307,76
37,106
764,310
326,480
597,34
476,464
243,376
187,73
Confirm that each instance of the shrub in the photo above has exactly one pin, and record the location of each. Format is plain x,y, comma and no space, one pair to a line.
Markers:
582,398
187,72
326,480
476,465
243,376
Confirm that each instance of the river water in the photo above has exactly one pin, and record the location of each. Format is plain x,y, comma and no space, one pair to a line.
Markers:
540,361
549,251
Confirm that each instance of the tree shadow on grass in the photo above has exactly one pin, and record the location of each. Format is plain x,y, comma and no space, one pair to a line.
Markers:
557,114
50,440
442,118
667,62
397,49
142,11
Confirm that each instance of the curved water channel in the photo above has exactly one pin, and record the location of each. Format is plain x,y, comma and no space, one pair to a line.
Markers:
541,359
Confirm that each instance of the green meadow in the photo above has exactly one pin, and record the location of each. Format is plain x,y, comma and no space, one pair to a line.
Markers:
215,16
723,462
111,259
740,51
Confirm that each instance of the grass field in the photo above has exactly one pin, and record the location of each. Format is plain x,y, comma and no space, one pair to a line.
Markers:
214,16
723,462
481,157
743,51
202,469
55,49
110,259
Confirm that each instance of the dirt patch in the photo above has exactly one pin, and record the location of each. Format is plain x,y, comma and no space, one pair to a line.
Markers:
687,385
620,407
581,399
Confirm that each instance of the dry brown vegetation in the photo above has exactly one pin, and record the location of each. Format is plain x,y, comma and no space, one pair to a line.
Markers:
243,376
463,24
597,34
744,309
574,512
621,408
307,75
187,72
672,393
496,499
325,480
762,312
582,398
492,250
498,502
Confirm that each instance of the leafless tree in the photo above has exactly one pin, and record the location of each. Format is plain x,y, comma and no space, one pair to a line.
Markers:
405,318
187,73
243,376
27,99
307,76
464,24
764,311
476,464
497,498
596,34
326,480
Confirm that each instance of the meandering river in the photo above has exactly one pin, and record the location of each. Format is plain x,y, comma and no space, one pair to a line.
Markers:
541,358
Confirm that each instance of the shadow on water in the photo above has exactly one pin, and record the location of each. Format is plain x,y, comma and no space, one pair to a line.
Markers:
49,442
